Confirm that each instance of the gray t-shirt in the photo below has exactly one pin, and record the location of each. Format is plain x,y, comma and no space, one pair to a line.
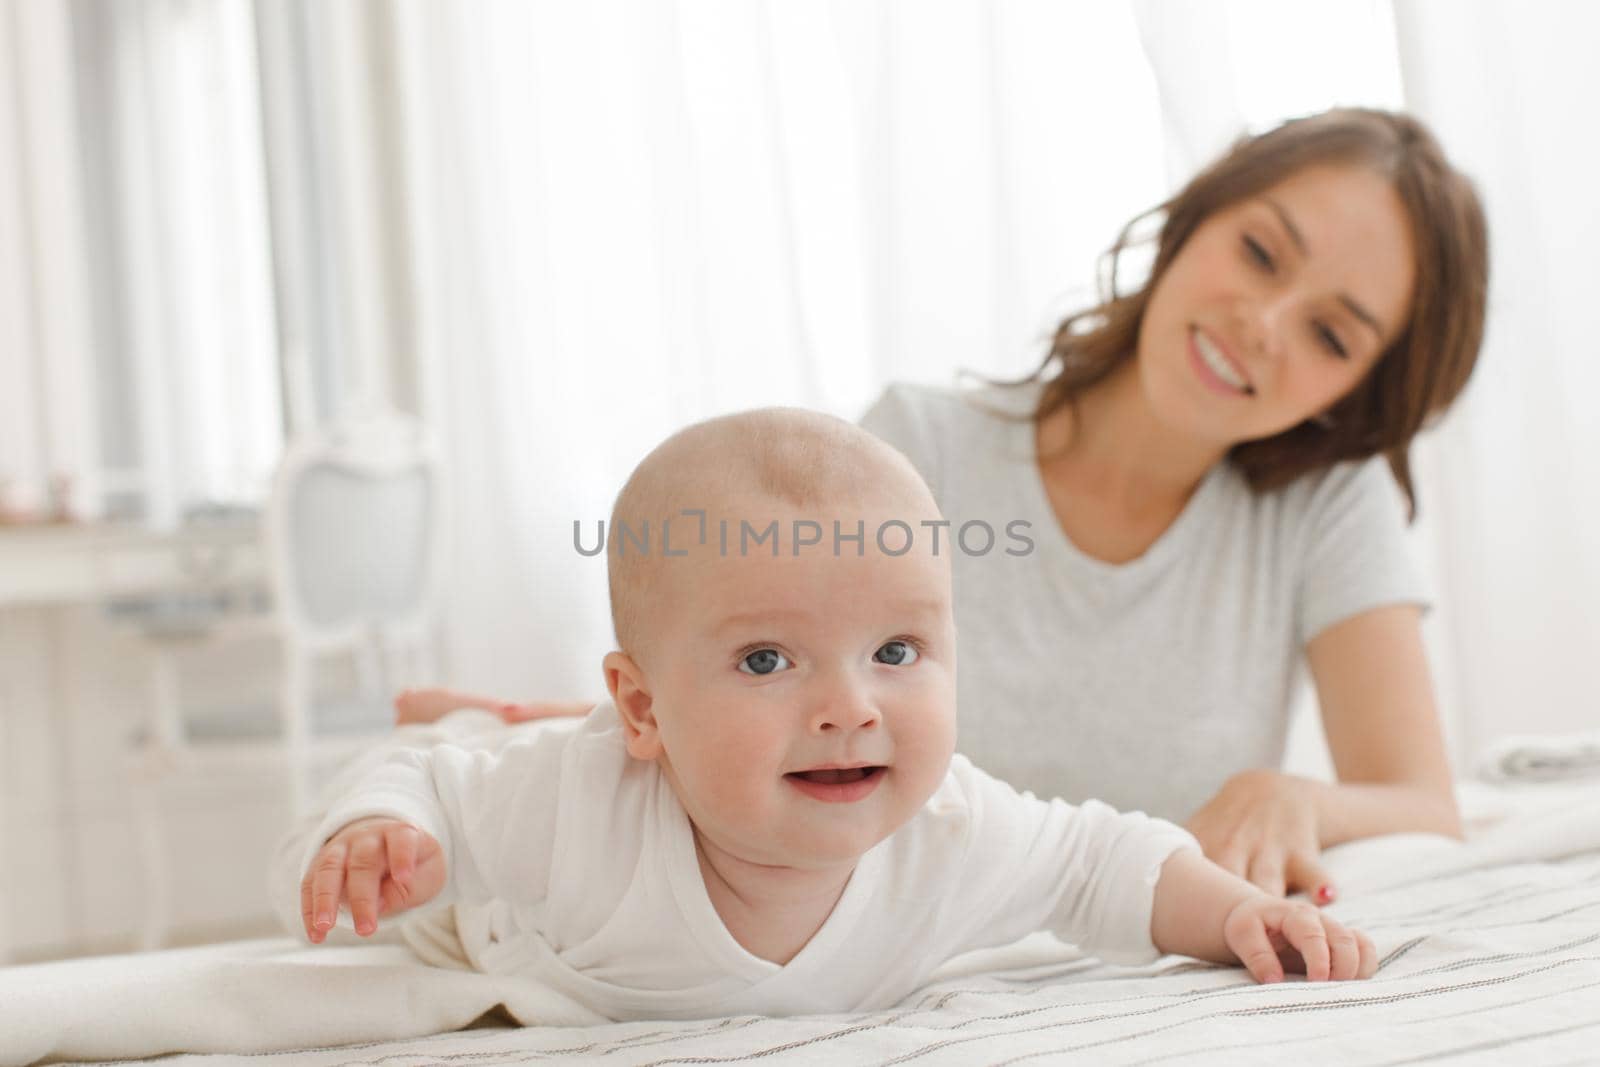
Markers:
1144,684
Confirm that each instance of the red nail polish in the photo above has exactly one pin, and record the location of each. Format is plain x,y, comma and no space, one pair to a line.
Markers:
1324,894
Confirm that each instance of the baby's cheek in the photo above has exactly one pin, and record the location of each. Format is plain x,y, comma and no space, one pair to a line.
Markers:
933,729
738,767
926,759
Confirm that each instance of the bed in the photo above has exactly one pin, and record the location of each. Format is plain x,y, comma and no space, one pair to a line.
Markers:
1490,953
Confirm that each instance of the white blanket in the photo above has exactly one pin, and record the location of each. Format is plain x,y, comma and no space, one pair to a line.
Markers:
1491,950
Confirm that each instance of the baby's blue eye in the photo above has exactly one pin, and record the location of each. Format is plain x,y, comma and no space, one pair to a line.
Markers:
896,654
763,661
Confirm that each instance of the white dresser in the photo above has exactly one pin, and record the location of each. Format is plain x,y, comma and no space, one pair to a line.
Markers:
94,620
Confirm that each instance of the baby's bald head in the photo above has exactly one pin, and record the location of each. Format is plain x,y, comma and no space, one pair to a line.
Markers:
727,467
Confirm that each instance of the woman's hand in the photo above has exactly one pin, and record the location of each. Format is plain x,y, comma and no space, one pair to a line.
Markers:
1263,826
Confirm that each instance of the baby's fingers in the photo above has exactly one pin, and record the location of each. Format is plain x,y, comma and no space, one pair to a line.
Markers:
401,842
1303,929
307,913
1351,952
1247,937
394,897
1344,952
368,864
320,891
1369,956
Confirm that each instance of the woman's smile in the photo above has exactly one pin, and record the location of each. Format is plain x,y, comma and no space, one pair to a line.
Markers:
1211,362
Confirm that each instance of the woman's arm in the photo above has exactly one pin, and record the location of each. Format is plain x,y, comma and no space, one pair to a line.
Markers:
1382,727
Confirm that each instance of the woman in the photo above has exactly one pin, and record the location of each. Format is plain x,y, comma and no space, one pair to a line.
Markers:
1199,462
1196,460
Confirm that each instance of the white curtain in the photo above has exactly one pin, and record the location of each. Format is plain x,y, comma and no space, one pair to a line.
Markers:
1227,66
138,359
637,214
47,424
631,215
1511,481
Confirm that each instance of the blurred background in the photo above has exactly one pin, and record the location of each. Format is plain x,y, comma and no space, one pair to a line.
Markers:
475,259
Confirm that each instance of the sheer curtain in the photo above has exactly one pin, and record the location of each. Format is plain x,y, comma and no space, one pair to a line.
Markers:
138,356
631,215
1511,480
47,416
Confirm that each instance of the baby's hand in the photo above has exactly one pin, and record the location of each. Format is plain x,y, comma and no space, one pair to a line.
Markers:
1270,935
378,866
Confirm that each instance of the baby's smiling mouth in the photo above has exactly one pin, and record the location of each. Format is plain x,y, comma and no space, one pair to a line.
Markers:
837,775
836,784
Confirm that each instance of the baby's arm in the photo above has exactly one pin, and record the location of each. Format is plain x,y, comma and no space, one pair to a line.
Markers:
1123,886
438,824
378,866
1203,911
388,841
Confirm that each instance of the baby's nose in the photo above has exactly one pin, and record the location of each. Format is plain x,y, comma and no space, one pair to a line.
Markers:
846,713
863,720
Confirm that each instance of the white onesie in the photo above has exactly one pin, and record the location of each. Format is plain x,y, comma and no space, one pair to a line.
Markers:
574,864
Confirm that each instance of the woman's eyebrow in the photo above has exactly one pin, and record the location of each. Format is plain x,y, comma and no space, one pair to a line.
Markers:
1362,313
1300,243
1288,224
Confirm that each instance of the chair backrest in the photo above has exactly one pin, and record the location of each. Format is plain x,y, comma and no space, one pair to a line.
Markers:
353,526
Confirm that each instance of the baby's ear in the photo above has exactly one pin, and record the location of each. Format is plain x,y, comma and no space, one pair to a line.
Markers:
630,691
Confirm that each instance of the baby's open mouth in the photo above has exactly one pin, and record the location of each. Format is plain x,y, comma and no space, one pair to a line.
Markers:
836,775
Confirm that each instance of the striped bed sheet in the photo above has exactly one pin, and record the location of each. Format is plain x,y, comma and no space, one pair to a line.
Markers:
1490,953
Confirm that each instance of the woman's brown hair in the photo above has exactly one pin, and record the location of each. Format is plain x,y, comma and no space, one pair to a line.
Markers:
1418,376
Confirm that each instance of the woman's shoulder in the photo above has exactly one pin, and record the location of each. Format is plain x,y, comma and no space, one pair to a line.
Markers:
1352,546
936,424
948,404
1343,525
1318,493
906,411
1348,508
1359,485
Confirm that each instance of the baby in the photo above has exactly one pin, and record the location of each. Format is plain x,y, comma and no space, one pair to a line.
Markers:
766,817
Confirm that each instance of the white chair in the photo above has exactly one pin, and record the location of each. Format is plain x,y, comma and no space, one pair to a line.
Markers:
352,540
352,536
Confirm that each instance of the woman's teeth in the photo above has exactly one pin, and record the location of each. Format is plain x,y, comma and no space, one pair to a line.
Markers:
1218,363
